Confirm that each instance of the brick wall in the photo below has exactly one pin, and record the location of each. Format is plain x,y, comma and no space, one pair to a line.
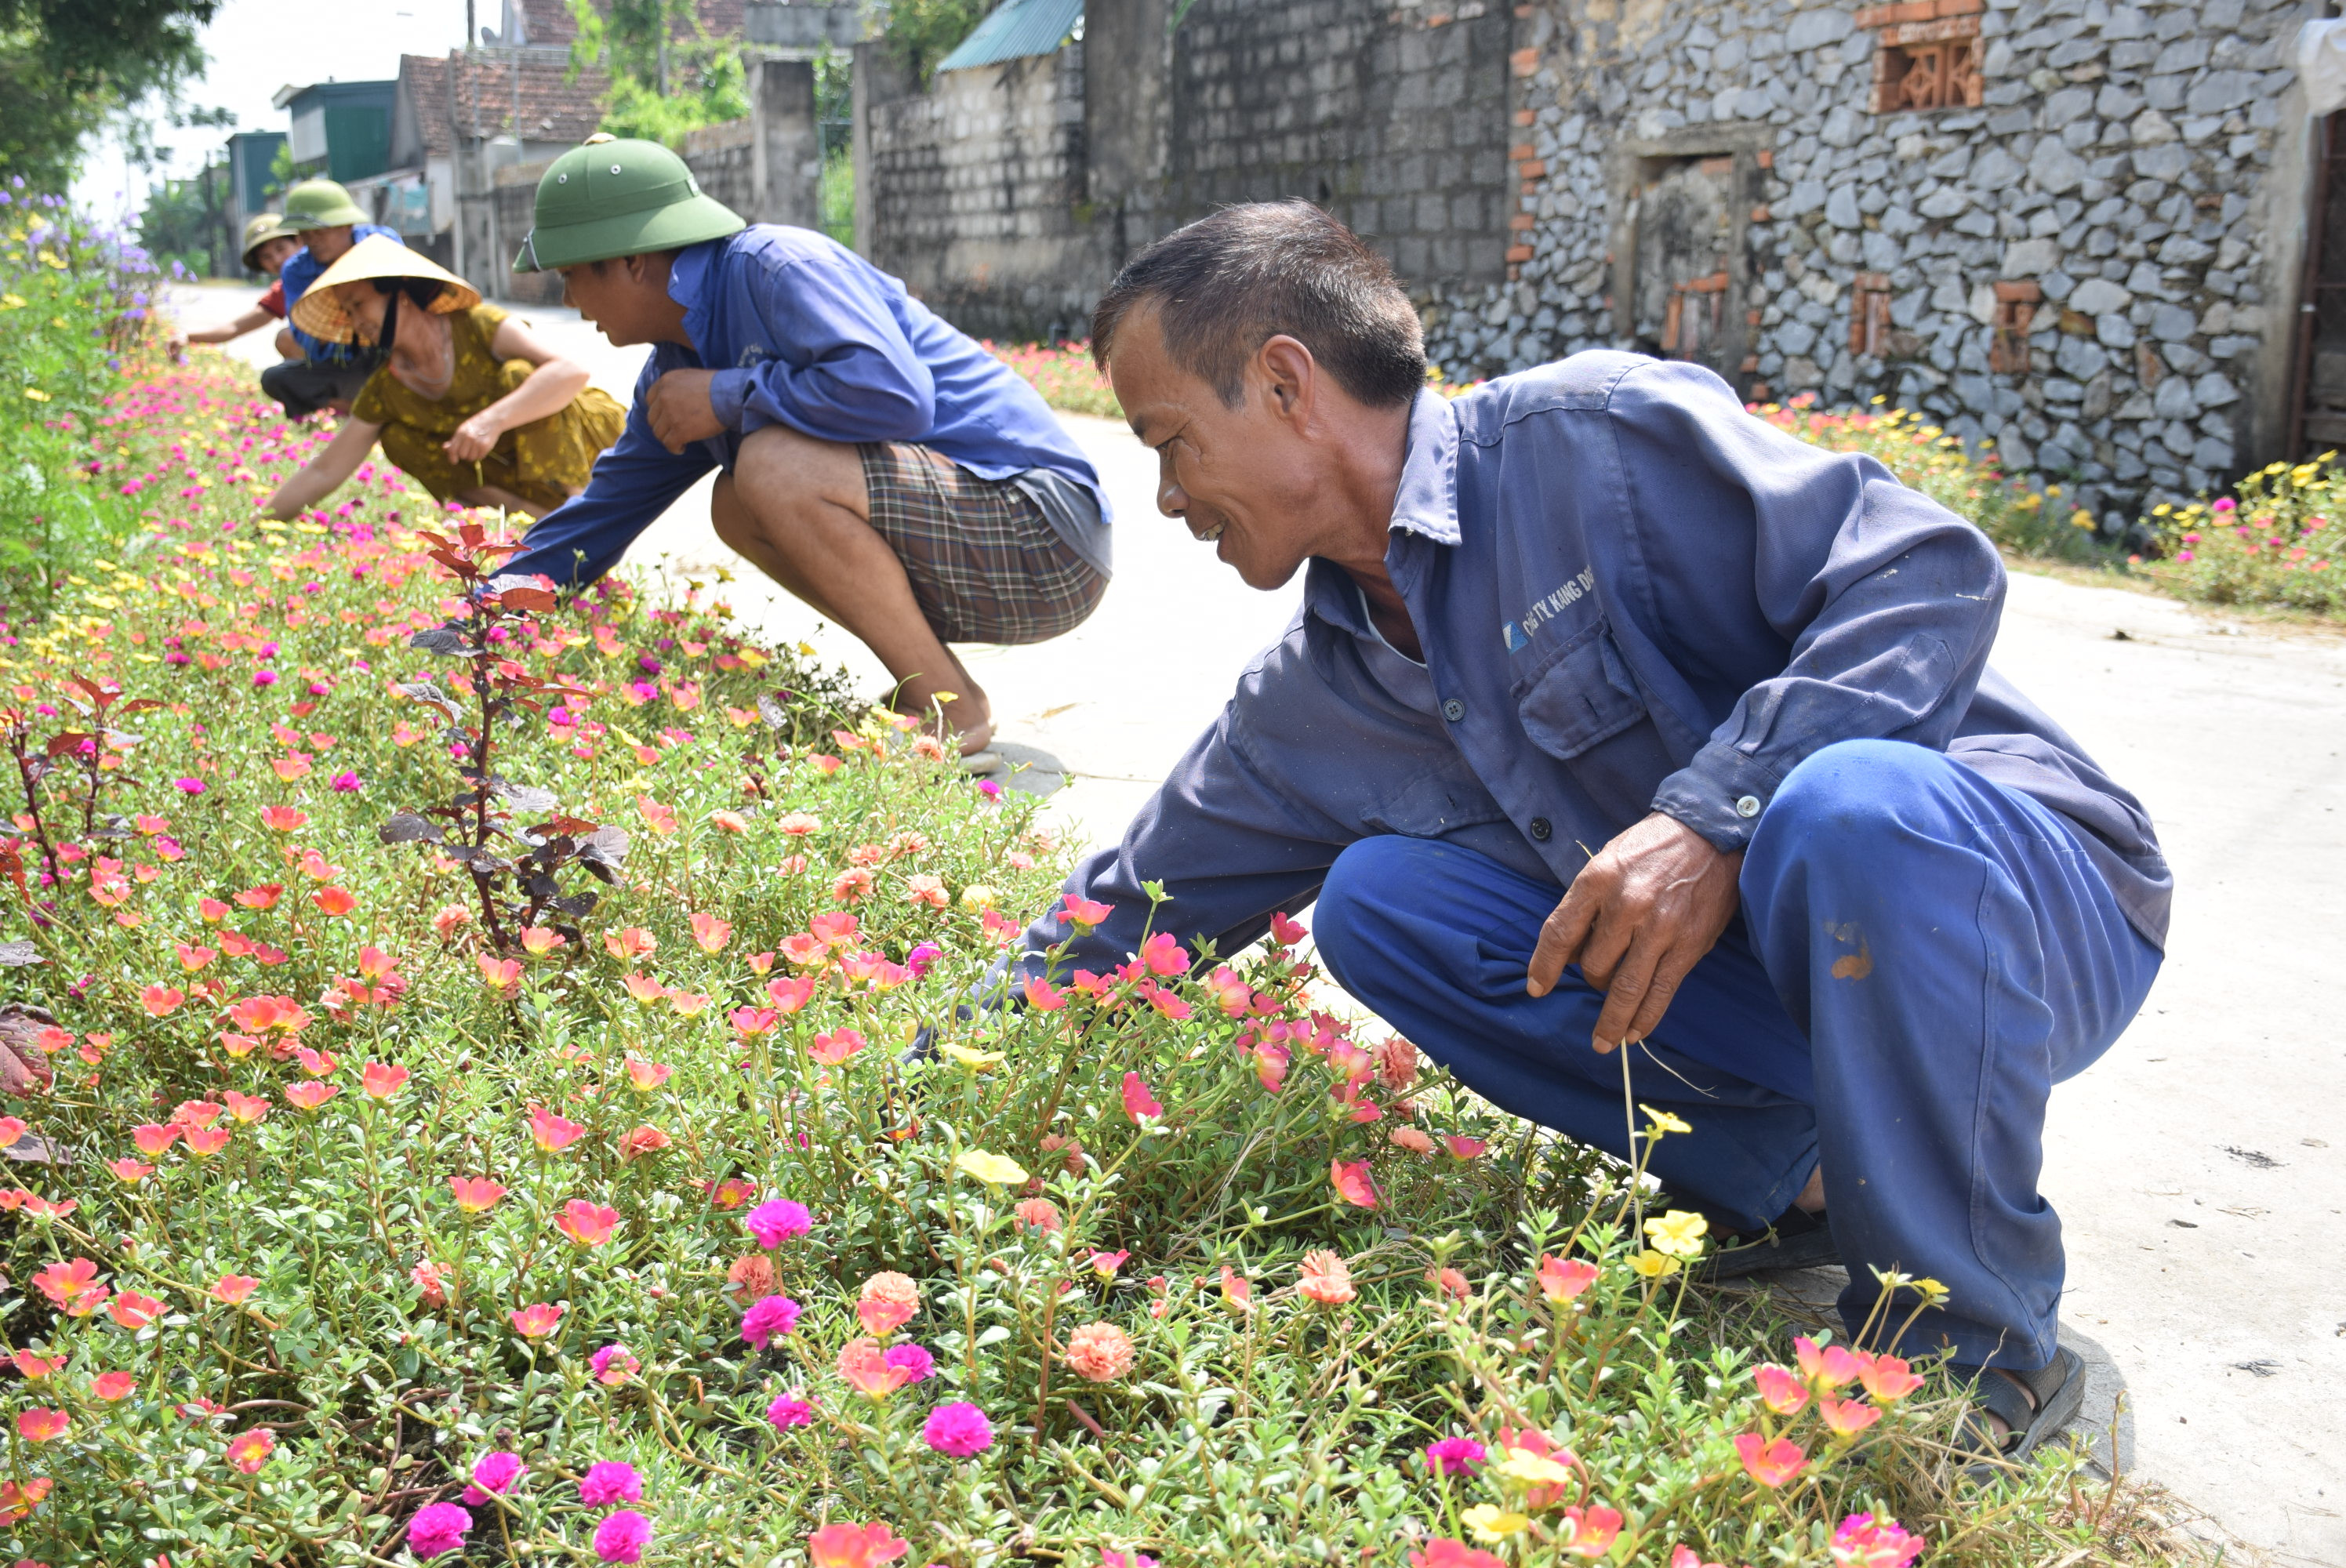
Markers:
724,163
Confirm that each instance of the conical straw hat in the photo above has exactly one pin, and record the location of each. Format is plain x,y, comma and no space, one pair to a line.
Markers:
321,311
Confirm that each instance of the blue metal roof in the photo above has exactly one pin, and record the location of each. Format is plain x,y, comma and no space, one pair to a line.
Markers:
1016,29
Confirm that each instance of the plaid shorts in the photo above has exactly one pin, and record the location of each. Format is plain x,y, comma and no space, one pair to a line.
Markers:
986,566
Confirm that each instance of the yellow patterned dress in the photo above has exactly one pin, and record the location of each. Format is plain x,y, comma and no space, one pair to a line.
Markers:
541,462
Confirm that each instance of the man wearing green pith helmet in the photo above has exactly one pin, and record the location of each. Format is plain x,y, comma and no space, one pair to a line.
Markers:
878,463
328,374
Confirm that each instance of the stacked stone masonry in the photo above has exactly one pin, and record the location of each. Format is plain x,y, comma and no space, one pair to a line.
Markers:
2111,202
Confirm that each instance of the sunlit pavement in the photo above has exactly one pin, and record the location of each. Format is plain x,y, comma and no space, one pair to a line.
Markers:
2199,1170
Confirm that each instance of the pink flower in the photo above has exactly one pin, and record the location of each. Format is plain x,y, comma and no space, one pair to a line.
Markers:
622,1537
777,1221
1864,1542
494,1472
609,1480
958,1430
437,1527
1139,1103
790,1411
917,1365
1455,1456
1561,1279
1352,1183
1771,1464
612,1365
773,1317
1780,1389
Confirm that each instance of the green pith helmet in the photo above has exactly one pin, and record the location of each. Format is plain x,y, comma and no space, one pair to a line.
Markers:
264,228
321,204
618,198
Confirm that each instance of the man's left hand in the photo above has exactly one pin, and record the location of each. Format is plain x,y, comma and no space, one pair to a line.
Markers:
1635,920
679,410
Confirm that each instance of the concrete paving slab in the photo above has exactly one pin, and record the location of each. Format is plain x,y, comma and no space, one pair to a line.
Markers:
2200,1168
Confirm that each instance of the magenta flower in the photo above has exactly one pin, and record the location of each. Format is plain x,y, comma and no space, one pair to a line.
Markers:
613,1365
769,1318
790,1411
623,1536
922,959
494,1472
189,786
777,1221
347,783
609,1480
1453,1456
958,1430
437,1527
264,677
1864,1542
916,1362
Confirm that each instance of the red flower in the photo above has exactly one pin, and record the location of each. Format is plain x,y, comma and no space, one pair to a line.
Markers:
336,902
1352,1183
1139,1103
250,1450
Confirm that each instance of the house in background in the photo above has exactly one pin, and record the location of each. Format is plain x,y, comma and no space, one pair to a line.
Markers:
251,156
340,130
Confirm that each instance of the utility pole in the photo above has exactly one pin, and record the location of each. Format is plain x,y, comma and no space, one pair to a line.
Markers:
472,31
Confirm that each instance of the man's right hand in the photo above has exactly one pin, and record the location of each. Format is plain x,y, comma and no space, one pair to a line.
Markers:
679,411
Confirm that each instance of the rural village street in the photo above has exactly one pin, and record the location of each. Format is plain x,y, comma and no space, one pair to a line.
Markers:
2199,1170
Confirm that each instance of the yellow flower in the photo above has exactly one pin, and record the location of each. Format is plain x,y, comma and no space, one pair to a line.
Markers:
1494,1524
12,301
1653,1264
1678,1232
1663,1121
36,394
995,1170
979,896
1539,1469
976,1061
2081,518
2162,509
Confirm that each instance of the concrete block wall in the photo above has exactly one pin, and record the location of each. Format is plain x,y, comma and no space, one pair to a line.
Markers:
2139,166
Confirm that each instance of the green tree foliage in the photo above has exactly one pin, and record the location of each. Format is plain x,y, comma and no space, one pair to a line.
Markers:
186,221
668,75
922,32
66,64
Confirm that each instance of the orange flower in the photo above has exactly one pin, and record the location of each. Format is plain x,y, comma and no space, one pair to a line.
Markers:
1846,1418
835,1047
310,1095
284,819
887,1302
1450,1282
192,959
113,1385
1771,1464
288,769
246,1108
1562,1279
1352,1183
588,1224
153,1138
645,989
17,1500
203,1141
659,818
134,1311
161,1001
1326,1280
537,941
798,824
712,933
1100,1351
1888,1378
629,943
865,1366
1037,1214
335,901
854,1546
1827,1367
1779,1390
72,1288
263,897
1414,1141
232,1288
646,1076
644,1140
501,975
382,1081
1236,1289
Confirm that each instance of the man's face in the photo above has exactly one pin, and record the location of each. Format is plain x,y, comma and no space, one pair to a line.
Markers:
1239,478
329,245
626,298
270,255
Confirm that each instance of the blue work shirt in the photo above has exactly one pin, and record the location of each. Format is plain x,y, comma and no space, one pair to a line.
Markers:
302,271
804,333
1632,596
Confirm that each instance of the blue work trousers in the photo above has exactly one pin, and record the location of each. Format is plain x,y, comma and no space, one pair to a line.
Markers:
1920,957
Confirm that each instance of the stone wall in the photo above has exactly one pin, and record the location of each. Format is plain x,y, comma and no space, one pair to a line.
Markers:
2094,264
973,192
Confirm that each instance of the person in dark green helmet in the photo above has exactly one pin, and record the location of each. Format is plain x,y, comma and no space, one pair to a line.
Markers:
327,375
877,463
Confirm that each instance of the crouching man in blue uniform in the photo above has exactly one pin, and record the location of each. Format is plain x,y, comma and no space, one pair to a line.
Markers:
1615,718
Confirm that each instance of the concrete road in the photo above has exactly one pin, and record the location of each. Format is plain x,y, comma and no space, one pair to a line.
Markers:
2200,1169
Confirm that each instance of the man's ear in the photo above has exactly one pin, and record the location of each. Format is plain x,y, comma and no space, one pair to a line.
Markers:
1291,377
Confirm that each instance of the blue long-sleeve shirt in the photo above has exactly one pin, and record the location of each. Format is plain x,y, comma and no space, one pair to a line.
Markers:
1631,596
301,269
804,333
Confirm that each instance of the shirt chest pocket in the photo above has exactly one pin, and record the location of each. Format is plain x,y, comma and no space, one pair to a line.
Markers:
1583,708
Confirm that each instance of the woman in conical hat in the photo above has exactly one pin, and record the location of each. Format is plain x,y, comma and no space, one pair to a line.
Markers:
466,402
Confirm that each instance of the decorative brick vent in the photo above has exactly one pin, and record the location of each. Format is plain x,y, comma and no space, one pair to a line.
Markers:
2015,314
1927,54
1868,314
